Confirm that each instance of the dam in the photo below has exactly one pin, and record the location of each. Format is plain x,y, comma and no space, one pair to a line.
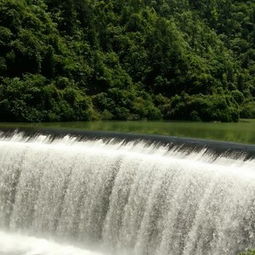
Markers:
110,195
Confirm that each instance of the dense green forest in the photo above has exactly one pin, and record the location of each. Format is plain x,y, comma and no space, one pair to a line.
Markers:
127,59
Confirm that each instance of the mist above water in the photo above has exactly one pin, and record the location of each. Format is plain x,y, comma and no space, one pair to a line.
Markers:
126,197
18,244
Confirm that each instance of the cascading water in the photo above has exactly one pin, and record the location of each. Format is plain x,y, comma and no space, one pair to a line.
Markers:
16,244
125,198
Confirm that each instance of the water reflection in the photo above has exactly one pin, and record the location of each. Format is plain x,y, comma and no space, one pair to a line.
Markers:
242,132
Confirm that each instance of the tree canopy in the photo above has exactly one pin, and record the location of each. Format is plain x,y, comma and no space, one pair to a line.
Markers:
66,60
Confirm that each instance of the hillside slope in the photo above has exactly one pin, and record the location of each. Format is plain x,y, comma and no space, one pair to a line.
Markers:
138,59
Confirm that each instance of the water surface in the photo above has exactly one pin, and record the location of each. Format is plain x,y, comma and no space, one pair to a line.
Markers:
241,132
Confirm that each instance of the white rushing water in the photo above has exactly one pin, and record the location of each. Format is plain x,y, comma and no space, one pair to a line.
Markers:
16,244
126,198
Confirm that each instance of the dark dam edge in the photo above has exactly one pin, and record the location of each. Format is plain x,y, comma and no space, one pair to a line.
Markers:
216,147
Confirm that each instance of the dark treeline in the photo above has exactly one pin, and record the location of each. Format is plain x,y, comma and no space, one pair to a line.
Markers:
127,59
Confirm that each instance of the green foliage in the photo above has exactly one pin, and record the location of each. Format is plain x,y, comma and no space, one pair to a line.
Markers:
129,60
34,98
248,110
202,107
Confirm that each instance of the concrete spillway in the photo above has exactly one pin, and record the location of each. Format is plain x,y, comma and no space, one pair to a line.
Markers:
126,197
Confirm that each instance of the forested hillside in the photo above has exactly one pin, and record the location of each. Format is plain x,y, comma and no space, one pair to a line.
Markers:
127,59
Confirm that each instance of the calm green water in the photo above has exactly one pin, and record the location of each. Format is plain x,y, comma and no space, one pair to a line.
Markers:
242,132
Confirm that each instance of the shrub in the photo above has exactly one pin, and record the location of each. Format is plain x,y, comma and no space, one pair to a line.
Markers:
248,110
202,107
33,98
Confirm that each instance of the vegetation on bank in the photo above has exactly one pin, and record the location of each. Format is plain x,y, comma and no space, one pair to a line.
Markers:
66,60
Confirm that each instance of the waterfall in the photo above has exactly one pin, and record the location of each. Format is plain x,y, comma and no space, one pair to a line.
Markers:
128,197
16,244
